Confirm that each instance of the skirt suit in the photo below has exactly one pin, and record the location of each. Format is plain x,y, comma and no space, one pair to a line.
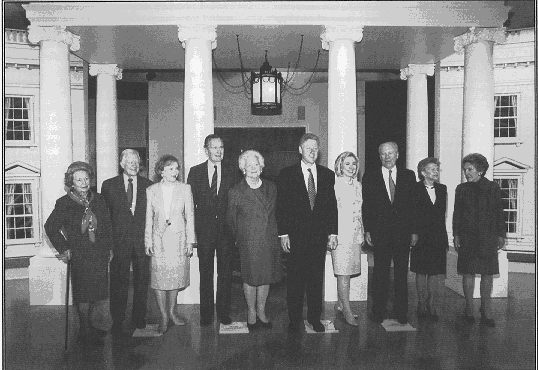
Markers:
428,256
347,255
478,220
170,266
251,217
89,261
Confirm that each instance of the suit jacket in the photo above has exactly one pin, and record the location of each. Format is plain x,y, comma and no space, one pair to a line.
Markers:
127,229
210,214
385,221
181,217
431,217
294,216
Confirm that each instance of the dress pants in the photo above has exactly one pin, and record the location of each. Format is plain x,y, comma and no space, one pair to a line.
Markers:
305,272
383,254
120,273
206,255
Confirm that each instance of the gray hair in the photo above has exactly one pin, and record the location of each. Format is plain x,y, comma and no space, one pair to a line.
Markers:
423,163
127,152
388,143
247,154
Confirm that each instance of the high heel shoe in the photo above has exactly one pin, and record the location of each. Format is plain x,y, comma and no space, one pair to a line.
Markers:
485,321
163,326
263,324
352,323
176,320
252,327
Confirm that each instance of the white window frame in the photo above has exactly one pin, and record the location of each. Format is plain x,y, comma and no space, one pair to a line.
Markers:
515,139
519,224
31,122
24,247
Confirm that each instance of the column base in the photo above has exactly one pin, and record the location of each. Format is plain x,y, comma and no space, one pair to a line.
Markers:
358,289
500,281
47,281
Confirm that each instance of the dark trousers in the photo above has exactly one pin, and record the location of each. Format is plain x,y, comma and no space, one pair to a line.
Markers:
305,272
120,273
206,255
383,255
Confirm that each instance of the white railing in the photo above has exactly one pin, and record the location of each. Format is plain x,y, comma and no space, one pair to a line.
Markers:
12,36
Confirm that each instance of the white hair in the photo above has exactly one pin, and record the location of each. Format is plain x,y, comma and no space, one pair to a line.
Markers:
127,152
247,154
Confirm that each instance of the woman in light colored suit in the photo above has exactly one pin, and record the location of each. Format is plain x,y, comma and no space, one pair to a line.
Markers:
347,255
169,237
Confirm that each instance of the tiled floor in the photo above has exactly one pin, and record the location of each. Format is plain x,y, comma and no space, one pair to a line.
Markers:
34,338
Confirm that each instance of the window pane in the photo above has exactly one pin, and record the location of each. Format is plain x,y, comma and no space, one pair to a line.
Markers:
17,119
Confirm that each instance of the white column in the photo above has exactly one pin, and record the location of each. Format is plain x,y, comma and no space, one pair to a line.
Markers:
56,141
342,94
106,118
47,275
417,112
198,41
478,89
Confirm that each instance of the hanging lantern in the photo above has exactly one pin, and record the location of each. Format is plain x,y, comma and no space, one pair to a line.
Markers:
266,89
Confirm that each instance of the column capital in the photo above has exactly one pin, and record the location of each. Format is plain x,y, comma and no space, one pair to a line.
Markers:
107,69
197,31
338,32
496,35
415,69
37,34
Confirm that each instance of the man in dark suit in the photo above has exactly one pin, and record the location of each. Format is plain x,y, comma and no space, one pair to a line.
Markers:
210,182
307,218
388,217
125,196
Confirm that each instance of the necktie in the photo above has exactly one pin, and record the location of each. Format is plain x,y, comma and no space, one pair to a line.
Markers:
392,187
214,183
311,189
130,193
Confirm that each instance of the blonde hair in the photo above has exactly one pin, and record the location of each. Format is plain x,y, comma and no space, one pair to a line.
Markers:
339,163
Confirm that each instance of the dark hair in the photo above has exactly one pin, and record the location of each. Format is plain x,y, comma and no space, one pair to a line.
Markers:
74,167
423,163
479,162
165,160
208,138
308,136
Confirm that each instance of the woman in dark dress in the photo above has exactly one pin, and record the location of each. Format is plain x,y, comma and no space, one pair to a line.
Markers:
251,216
428,256
79,228
479,230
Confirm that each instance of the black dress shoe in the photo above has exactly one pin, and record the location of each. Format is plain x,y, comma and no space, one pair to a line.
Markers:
317,326
402,320
139,324
100,333
206,321
117,329
469,319
294,327
376,318
252,327
263,324
225,320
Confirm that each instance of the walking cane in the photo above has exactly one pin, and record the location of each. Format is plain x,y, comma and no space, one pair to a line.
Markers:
67,302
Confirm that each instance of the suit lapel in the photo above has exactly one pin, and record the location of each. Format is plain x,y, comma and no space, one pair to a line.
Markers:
299,179
140,196
384,188
120,189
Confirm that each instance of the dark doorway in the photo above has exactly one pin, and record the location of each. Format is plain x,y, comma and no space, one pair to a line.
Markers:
386,115
279,146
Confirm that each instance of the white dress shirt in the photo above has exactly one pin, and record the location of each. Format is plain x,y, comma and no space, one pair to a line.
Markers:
211,169
306,174
431,193
385,173
135,187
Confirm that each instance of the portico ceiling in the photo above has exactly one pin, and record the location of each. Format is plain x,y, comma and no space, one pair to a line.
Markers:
142,36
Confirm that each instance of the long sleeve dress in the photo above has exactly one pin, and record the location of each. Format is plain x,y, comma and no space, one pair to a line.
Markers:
347,256
251,217
89,261
478,221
